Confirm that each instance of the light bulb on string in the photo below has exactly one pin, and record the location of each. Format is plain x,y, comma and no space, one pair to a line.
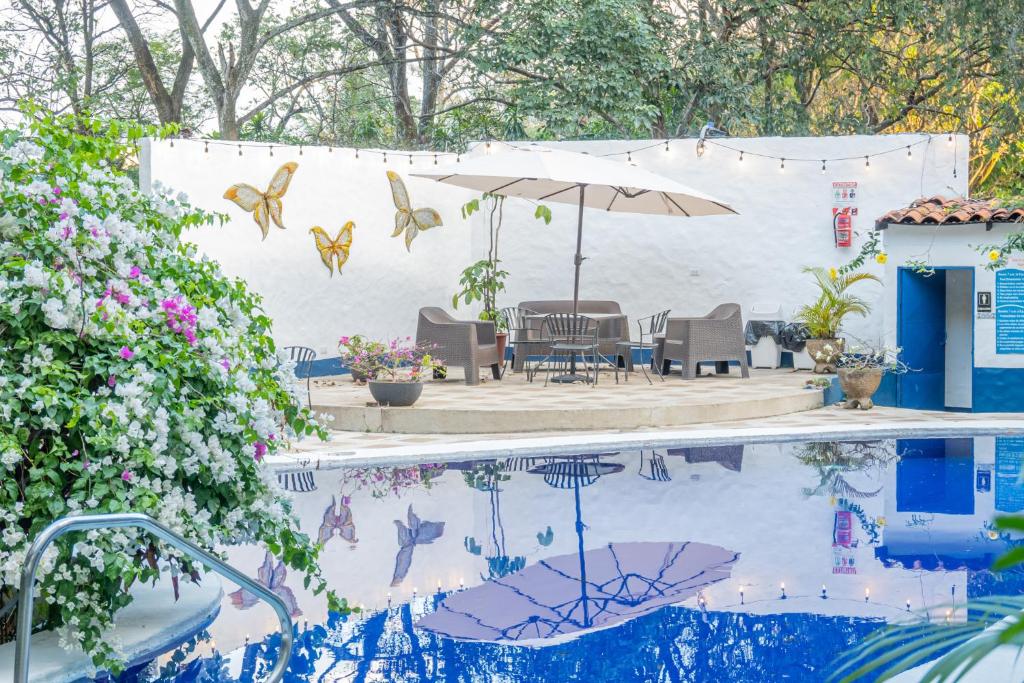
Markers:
741,595
172,143
357,153
908,604
410,160
458,158
822,165
867,162
782,164
910,154
949,140
782,590
206,147
435,160
331,149
239,150
741,155
666,146
629,157
385,157
867,594
300,150
271,150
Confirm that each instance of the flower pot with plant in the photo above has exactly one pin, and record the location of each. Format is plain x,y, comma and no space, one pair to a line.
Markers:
395,370
483,280
824,318
861,369
355,352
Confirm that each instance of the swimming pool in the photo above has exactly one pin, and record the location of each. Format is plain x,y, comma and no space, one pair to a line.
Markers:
744,562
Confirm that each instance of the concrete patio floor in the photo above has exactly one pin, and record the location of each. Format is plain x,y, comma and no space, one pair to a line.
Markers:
514,405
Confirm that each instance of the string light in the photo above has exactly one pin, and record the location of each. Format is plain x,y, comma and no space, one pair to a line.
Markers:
458,158
824,593
357,152
741,155
239,150
435,160
300,150
331,149
410,160
271,150
908,604
867,162
782,164
385,157
949,140
782,589
700,148
172,143
629,156
206,147
822,165
741,595
867,595
666,145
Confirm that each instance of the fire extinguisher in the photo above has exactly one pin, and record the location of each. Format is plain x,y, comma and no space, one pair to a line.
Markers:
842,228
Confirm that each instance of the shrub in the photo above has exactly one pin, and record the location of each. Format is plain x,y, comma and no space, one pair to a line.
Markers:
134,376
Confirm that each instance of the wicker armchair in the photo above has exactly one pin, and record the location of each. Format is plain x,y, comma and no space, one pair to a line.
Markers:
470,344
718,337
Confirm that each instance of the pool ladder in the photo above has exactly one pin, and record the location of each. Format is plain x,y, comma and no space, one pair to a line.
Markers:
141,521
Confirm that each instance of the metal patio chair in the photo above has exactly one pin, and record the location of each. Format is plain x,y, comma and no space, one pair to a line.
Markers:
523,337
651,327
303,357
567,336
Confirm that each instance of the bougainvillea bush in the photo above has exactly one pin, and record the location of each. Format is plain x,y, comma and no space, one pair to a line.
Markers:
134,376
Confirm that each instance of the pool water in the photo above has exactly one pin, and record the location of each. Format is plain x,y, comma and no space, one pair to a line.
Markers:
755,562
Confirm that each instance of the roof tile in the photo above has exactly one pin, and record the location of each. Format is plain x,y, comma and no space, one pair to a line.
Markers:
939,210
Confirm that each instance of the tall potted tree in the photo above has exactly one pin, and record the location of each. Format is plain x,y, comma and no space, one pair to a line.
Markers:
483,280
824,318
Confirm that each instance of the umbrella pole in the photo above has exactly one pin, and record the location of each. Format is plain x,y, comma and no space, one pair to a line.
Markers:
583,561
579,258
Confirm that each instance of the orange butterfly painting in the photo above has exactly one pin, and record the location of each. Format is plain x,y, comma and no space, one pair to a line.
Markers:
336,249
265,206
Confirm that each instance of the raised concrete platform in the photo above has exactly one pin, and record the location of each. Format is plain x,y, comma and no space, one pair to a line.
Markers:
153,624
514,405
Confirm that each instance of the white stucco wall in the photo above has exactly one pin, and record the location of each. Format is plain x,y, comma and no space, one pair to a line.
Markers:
950,246
646,263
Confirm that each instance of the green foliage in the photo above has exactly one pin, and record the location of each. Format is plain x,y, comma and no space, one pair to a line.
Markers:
484,280
133,377
824,317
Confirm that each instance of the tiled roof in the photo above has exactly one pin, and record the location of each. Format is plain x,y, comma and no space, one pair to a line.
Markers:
938,210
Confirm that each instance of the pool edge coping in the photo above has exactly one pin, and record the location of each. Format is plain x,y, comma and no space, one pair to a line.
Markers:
565,444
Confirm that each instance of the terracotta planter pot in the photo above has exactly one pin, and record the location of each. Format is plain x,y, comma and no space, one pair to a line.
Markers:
502,340
817,346
859,385
395,394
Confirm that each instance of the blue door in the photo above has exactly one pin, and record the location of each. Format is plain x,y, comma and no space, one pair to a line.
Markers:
921,331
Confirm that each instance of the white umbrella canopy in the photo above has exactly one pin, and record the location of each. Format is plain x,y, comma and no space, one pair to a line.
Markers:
556,175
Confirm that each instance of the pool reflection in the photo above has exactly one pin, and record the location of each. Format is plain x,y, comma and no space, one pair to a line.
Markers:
478,570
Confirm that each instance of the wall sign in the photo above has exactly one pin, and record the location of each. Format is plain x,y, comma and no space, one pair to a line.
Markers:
1010,311
984,305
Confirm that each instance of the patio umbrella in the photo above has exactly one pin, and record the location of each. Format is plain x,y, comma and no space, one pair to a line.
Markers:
555,175
550,598
591,588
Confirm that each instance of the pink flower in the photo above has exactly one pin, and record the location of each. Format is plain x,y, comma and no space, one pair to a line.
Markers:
126,476
135,272
112,381
225,363
343,340
126,353
260,449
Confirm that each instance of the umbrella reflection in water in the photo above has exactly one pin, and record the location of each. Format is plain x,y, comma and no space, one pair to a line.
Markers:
568,594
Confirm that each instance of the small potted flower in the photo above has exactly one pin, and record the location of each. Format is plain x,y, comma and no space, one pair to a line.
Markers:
356,355
396,371
861,369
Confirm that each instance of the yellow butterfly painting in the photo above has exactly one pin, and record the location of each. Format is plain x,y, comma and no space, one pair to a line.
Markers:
336,249
407,218
265,206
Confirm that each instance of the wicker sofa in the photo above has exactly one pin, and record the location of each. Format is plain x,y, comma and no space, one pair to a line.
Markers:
717,336
611,331
470,344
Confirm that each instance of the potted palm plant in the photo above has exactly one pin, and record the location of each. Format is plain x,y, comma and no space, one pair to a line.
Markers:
824,318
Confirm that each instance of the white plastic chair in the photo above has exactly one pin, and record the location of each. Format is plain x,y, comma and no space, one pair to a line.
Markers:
766,353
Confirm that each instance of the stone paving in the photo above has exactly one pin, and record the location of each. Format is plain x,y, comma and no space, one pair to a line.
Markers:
514,405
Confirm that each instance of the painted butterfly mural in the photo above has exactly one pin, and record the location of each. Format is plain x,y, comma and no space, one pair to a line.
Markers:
272,577
336,249
408,219
337,521
265,206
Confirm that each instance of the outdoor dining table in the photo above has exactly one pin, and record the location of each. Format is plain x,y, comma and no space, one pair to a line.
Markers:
611,328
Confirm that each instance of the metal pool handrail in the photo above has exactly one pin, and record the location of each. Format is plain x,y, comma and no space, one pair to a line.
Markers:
111,521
